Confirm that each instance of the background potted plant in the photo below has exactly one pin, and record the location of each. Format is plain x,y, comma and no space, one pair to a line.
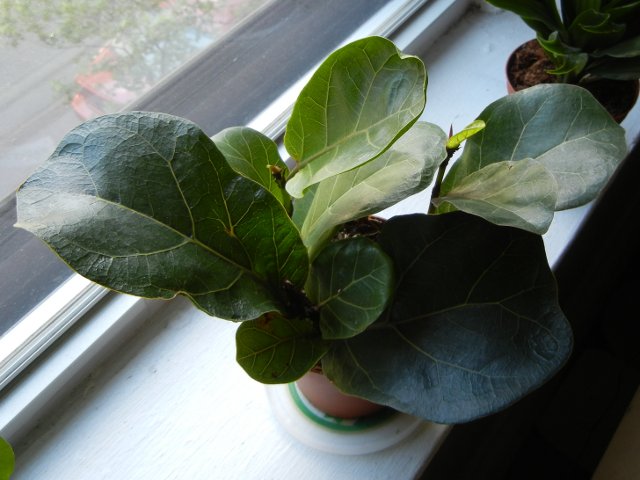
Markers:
447,316
593,44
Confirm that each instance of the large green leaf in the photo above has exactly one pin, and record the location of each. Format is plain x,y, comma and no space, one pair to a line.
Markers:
144,203
7,460
474,325
406,168
561,126
275,349
350,282
254,155
518,194
362,97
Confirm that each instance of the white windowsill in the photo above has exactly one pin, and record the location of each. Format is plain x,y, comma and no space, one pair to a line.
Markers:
173,404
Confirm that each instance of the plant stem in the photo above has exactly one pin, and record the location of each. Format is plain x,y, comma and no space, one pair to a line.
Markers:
435,193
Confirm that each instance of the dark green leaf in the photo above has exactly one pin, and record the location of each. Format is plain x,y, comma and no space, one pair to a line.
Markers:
623,12
583,5
474,325
144,203
569,61
571,9
254,155
362,97
591,30
350,282
570,65
275,349
554,46
581,151
617,68
628,49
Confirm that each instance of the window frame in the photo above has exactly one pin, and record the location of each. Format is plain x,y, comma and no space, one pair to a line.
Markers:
139,312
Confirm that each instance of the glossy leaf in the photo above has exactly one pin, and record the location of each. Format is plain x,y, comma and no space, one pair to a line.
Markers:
7,460
570,65
350,282
144,203
573,8
518,194
254,155
592,29
406,168
581,151
275,349
568,60
470,130
474,324
623,11
362,97
618,69
554,45
627,49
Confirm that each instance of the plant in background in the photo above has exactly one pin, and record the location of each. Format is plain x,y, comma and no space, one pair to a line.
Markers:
448,316
7,460
586,39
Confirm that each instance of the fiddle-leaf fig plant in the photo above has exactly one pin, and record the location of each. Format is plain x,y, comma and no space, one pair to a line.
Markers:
449,313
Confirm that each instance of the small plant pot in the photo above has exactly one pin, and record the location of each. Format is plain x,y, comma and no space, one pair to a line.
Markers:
317,414
326,397
528,66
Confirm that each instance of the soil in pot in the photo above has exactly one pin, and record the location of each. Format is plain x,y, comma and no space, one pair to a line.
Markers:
528,66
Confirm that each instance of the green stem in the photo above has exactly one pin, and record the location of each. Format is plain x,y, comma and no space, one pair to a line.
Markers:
435,193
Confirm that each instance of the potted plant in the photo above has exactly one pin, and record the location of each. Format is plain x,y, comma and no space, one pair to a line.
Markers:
592,44
447,316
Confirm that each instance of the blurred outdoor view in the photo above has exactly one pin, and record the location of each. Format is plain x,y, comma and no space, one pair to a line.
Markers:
64,61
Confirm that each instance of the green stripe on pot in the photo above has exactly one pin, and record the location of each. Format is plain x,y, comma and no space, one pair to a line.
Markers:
338,424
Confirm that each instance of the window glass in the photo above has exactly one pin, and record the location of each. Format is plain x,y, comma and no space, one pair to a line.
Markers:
65,61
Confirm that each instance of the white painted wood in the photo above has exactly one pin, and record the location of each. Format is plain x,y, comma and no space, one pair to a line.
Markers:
38,329
173,404
90,341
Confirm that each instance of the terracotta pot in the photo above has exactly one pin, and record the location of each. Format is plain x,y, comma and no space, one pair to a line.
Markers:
325,396
528,64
